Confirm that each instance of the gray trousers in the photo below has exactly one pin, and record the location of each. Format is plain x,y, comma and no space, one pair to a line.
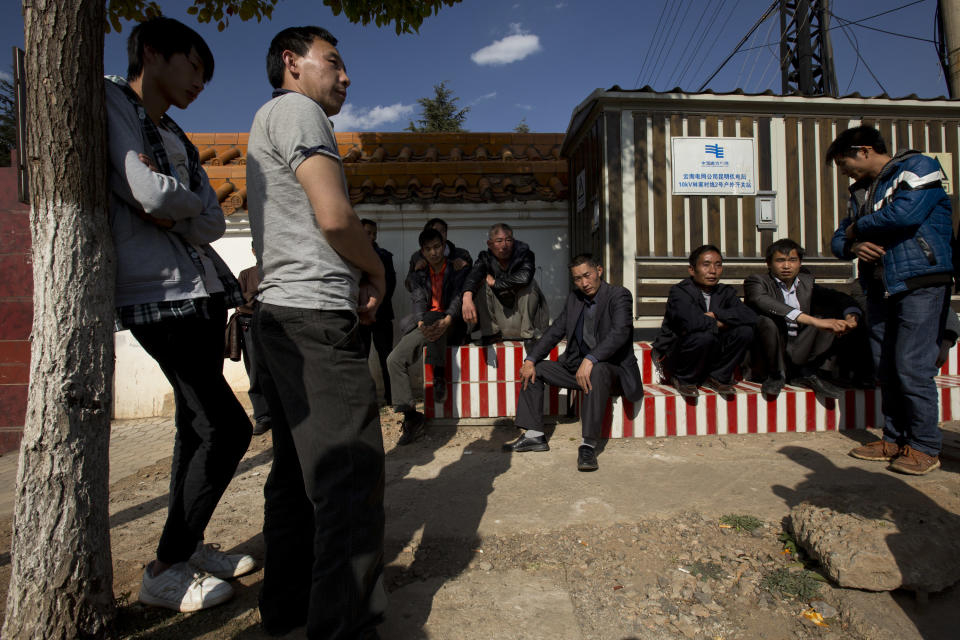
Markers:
528,318
777,354
406,354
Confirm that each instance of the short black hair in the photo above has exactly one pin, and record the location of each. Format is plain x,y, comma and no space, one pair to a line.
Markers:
784,246
433,221
166,36
583,258
702,249
367,221
296,39
429,235
847,142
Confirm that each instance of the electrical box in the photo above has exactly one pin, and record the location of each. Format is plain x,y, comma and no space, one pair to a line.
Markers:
766,204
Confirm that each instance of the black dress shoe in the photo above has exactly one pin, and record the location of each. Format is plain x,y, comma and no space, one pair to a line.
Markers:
523,443
772,387
723,388
820,387
587,458
686,389
261,427
411,428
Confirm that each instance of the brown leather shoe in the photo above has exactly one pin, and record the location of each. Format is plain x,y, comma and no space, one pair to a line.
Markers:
915,463
879,451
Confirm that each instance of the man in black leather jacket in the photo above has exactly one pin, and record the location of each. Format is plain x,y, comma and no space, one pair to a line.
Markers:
500,293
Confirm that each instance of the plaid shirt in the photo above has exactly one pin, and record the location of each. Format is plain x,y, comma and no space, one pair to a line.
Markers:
152,312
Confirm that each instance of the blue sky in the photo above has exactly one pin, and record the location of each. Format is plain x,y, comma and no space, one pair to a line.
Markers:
537,59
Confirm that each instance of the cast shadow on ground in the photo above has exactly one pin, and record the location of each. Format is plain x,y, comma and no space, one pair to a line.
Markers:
882,495
160,502
448,507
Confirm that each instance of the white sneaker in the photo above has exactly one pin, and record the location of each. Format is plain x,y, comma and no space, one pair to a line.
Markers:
225,566
183,588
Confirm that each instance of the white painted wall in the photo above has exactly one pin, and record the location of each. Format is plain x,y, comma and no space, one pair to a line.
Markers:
140,389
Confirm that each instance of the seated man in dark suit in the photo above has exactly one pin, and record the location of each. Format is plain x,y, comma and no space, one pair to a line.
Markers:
434,322
799,322
706,329
597,322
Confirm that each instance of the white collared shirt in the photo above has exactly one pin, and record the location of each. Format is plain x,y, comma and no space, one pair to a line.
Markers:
790,298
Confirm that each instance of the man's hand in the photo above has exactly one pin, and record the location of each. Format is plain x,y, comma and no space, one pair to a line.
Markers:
528,374
851,231
720,323
583,375
420,264
468,310
436,330
372,289
459,264
491,280
853,320
834,325
867,251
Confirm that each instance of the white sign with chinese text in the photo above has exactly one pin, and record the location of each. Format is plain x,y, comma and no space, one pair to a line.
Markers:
714,166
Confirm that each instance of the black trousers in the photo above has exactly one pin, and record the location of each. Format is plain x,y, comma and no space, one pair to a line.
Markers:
778,354
260,410
604,378
213,430
323,500
380,335
704,353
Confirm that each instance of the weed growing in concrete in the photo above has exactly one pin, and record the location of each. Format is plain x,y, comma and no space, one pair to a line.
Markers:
802,585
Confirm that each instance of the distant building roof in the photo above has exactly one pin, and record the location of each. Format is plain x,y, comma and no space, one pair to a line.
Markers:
395,168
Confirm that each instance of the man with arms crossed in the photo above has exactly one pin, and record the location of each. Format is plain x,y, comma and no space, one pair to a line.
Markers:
323,499
172,292
597,323
899,227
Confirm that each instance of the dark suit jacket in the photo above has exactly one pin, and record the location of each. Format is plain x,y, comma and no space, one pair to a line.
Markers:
763,294
613,323
385,310
686,308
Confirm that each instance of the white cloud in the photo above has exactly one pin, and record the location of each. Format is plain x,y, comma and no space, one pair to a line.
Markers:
560,5
6,76
353,118
486,96
525,107
516,46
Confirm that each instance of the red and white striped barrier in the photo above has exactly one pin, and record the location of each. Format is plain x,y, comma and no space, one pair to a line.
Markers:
485,384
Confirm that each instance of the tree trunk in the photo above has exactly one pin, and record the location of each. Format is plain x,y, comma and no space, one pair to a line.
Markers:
62,576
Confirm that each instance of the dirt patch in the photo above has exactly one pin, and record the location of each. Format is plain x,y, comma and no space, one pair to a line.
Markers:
693,573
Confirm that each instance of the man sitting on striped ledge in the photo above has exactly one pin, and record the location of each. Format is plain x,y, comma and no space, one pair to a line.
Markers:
597,323
434,322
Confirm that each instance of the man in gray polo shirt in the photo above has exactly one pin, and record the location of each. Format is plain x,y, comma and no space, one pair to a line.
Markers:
323,511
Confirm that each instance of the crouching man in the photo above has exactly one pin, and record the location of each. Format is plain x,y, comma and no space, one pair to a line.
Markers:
706,329
597,323
434,323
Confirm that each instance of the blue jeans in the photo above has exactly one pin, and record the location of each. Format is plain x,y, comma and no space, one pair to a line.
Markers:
905,332
323,500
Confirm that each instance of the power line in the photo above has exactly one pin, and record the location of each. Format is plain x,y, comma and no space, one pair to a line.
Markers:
656,32
717,37
854,22
766,14
674,42
713,20
856,48
663,49
686,49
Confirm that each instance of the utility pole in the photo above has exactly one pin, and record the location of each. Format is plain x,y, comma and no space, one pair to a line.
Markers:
950,15
806,57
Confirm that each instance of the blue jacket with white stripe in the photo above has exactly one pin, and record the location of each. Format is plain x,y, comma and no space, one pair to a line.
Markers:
906,211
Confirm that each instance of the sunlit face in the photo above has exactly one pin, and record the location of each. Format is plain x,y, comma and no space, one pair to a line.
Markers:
500,245
371,232
586,278
320,74
179,79
433,252
708,269
785,267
